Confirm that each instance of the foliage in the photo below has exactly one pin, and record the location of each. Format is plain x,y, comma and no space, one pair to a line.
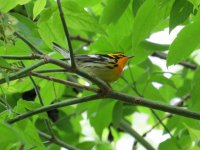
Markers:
29,81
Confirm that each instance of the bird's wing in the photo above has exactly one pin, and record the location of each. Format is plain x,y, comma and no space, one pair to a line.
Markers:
61,50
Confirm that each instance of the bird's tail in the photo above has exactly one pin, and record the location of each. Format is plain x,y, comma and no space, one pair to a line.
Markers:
61,50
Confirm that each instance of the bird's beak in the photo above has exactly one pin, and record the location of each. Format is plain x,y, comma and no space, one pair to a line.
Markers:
129,57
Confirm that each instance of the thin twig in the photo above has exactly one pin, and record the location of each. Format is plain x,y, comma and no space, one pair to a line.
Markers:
160,121
72,84
66,34
57,141
82,39
180,103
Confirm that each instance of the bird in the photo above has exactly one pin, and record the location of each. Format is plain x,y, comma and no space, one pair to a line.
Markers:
107,67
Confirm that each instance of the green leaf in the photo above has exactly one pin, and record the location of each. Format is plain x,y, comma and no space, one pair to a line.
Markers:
79,19
10,136
86,145
136,5
185,43
51,32
28,105
179,13
104,146
113,10
146,19
10,4
117,113
87,3
102,117
154,46
38,7
195,91
195,2
4,63
161,79
194,133
30,134
168,143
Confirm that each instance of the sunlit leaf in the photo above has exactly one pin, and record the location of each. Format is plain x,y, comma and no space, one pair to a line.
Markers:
113,10
146,19
184,44
8,5
38,7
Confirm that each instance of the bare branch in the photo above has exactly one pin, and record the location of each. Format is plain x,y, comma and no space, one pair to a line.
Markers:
183,63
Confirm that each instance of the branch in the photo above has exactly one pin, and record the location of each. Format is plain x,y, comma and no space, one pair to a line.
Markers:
20,57
80,38
114,95
156,124
66,34
125,126
183,63
107,91
57,141
33,48
53,106
23,71
152,104
72,84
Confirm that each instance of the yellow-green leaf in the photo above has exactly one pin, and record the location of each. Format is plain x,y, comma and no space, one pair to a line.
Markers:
185,43
38,7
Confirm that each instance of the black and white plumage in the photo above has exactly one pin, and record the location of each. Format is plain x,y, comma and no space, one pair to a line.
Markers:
105,66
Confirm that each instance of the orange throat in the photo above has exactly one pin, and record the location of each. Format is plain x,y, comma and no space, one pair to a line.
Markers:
121,64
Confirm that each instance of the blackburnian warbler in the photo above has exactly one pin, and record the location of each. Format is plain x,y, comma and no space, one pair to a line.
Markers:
107,67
